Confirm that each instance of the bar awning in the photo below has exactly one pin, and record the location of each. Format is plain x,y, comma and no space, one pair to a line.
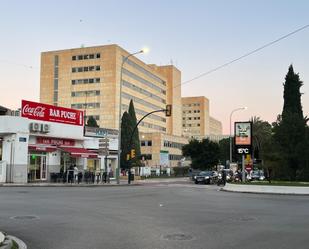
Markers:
79,152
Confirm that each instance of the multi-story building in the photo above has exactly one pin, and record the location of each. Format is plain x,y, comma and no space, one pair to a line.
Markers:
215,126
196,119
89,79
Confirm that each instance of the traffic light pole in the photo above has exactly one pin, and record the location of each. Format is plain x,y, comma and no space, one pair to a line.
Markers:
168,113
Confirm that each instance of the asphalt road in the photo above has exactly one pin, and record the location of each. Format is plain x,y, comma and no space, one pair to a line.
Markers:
152,217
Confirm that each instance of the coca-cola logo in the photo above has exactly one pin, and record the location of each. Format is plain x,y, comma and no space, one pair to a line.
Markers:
38,111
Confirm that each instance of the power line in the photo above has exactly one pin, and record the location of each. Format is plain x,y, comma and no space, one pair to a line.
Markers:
238,58
243,56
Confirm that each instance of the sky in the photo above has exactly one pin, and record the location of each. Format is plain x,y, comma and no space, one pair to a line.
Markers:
196,36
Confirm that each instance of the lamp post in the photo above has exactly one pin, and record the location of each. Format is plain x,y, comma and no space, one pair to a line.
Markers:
124,60
235,110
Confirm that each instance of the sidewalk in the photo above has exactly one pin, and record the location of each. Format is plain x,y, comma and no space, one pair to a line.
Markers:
111,184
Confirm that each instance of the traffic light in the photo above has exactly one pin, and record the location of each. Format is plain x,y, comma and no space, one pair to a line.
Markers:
133,153
168,110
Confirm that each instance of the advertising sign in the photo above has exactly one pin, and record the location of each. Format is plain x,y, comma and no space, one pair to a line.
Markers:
164,160
243,137
243,133
45,112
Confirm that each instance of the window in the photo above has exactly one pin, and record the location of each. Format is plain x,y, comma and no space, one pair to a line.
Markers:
142,143
143,81
198,124
55,84
85,69
97,80
86,56
189,118
143,91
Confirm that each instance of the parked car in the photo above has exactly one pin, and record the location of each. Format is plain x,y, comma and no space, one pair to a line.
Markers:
193,173
206,177
257,176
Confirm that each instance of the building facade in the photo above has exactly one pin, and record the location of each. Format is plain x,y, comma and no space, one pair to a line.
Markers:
89,79
196,120
159,149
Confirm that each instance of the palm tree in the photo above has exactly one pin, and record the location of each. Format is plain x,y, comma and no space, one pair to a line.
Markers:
261,135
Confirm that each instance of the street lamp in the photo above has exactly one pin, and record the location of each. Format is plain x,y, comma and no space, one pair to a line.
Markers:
235,110
124,60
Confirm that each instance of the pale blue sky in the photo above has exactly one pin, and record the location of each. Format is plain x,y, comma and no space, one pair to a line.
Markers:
195,35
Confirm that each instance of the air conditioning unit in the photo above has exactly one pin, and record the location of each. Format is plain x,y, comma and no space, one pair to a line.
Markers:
45,128
34,127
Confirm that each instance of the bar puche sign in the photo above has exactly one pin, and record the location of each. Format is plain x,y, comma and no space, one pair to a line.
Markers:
51,113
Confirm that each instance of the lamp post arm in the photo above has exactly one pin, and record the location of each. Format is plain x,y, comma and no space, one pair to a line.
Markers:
131,138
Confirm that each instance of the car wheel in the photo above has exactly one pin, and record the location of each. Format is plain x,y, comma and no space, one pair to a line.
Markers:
196,182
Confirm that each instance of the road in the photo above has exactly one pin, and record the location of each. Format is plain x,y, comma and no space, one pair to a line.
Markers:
153,216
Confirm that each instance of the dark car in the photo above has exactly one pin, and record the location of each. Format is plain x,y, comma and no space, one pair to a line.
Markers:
206,177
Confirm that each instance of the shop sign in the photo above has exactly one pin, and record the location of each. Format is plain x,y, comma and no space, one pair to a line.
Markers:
45,112
55,141
98,132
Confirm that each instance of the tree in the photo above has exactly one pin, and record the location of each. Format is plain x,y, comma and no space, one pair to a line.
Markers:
224,145
262,133
204,154
135,137
290,129
91,122
126,130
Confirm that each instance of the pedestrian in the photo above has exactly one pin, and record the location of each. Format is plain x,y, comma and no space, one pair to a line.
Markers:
75,173
223,177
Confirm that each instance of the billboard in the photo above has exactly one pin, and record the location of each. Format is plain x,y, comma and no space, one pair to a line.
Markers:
45,112
164,158
243,133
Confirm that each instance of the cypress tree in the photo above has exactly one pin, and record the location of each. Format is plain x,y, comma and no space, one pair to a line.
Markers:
135,138
290,131
126,130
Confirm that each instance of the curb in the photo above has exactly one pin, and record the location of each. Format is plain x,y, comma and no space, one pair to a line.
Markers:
262,189
69,185
7,242
20,243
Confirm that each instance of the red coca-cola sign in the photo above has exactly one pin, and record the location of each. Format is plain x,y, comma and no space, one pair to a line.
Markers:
44,112
55,141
